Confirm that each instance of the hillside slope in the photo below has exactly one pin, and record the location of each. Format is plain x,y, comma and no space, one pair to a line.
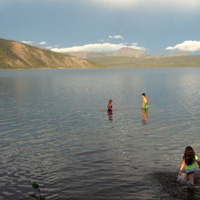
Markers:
85,54
16,55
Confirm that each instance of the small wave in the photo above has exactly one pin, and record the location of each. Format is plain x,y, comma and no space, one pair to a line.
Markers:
182,178
177,187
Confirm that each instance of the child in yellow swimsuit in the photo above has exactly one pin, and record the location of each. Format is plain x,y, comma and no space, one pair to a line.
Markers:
189,159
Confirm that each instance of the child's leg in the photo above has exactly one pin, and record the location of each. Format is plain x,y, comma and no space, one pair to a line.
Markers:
187,176
192,177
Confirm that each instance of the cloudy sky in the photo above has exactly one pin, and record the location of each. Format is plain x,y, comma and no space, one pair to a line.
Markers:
154,26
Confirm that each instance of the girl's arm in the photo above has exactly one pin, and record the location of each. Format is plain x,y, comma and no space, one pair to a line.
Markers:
198,161
182,165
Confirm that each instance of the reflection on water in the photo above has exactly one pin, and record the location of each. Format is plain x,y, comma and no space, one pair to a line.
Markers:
110,115
54,130
144,116
144,119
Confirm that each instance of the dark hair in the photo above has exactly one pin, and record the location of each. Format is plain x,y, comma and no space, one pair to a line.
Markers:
143,94
189,155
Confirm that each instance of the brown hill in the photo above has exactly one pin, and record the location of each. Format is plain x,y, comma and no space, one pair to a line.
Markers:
19,55
177,53
85,54
129,52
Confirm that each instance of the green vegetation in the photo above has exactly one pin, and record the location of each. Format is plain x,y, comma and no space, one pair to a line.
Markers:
16,55
125,62
37,187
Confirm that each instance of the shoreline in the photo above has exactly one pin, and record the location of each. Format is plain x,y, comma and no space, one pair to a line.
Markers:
117,67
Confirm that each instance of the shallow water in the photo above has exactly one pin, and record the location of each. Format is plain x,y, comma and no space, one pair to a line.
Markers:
54,130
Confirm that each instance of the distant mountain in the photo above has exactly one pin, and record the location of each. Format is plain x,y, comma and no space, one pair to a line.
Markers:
123,52
15,55
129,52
129,57
174,54
86,54
177,53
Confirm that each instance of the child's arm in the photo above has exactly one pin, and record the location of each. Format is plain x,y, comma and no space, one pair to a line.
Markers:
182,165
198,161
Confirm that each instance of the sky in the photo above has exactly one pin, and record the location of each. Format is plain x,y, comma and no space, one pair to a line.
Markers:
153,26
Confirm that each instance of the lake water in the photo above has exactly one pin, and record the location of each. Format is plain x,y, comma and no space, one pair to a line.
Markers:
55,130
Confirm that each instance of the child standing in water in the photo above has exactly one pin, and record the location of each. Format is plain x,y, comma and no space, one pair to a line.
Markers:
110,105
189,159
145,101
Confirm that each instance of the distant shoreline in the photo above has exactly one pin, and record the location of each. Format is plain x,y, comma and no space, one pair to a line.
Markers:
101,67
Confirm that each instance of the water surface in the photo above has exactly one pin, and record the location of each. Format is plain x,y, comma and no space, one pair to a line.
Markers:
55,130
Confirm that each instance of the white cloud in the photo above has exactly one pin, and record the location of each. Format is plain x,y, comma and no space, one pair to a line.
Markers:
28,42
175,5
116,3
172,5
49,47
32,43
116,37
104,47
43,43
135,44
134,2
188,45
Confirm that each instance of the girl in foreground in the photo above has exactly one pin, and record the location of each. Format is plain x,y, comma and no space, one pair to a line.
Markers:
189,159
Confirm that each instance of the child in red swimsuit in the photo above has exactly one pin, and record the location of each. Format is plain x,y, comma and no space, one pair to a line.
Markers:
110,105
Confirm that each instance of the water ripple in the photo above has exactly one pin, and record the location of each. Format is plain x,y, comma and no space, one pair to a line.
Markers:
54,130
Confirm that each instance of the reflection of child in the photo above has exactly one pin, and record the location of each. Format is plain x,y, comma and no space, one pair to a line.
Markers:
145,116
145,101
189,160
110,105
110,116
